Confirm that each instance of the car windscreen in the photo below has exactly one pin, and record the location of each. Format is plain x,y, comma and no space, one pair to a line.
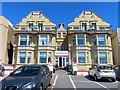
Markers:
105,67
26,71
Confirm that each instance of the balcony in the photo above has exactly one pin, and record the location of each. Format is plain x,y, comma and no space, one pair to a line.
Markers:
90,29
100,47
34,29
46,47
83,47
25,47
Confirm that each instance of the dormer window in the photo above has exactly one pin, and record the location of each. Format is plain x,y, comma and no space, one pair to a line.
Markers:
31,26
76,27
47,28
40,26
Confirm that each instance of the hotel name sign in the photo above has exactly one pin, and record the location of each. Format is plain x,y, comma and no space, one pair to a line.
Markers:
61,53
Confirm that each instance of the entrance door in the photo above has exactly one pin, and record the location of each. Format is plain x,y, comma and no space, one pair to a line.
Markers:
60,61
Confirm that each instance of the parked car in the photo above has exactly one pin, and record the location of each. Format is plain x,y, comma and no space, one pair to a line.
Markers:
117,71
28,77
1,70
69,69
102,71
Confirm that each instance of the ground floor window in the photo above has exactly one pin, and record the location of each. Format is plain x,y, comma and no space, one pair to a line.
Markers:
43,57
103,57
29,57
22,57
81,57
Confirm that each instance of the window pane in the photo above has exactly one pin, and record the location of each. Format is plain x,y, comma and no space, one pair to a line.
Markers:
43,40
76,28
102,57
23,40
22,57
81,57
101,40
30,41
84,26
80,40
94,40
29,57
43,56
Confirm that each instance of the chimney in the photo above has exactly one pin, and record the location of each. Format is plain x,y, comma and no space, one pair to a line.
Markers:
61,25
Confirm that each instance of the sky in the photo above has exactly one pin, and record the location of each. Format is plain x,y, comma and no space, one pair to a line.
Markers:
61,12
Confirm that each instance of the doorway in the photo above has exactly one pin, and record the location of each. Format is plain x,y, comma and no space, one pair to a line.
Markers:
60,61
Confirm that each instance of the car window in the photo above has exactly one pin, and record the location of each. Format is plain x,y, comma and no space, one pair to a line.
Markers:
106,67
117,67
26,71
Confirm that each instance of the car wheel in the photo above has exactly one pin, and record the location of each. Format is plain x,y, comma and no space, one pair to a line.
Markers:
41,88
95,77
89,74
113,80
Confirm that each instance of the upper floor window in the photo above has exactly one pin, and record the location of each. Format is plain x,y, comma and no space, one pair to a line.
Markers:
30,40
43,40
64,34
31,26
59,35
86,39
22,28
74,40
94,40
50,40
76,27
40,26
84,26
101,28
23,40
47,28
93,26
80,40
101,40
103,57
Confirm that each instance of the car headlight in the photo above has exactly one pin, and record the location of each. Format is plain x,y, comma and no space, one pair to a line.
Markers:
29,86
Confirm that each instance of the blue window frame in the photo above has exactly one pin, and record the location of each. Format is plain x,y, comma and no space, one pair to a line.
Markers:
101,40
101,28
43,57
80,40
81,57
22,28
102,57
22,57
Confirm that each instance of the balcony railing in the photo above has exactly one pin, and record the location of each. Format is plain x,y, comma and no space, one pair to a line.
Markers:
35,28
90,27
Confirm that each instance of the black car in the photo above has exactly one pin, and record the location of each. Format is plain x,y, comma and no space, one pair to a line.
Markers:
28,77
117,71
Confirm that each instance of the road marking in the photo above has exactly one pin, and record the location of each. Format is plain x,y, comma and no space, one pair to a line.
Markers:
102,85
55,80
72,83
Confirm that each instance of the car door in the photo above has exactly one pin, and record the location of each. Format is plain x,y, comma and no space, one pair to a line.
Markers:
44,77
48,74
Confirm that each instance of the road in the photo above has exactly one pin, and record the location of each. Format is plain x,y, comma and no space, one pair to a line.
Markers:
62,81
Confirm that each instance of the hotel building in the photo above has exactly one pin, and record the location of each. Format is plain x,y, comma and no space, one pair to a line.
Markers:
87,41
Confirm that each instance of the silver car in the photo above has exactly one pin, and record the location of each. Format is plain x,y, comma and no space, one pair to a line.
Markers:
102,71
